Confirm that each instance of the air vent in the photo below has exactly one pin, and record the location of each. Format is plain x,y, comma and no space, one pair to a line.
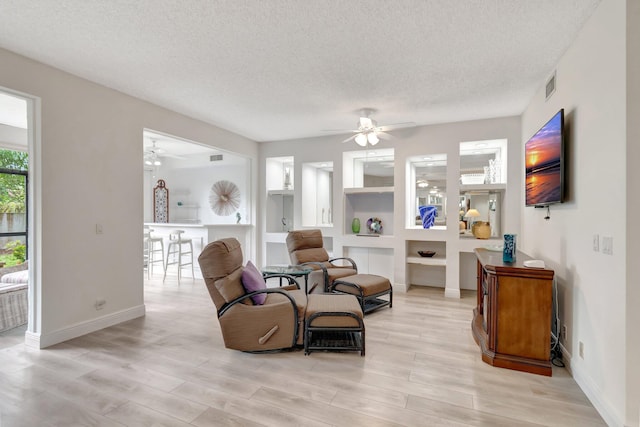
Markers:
215,157
551,86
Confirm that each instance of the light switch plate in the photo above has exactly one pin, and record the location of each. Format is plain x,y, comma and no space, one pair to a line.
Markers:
607,245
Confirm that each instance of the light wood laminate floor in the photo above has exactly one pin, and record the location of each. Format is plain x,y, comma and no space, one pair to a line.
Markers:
170,368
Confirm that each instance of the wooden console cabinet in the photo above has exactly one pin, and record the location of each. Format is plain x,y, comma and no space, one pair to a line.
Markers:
512,320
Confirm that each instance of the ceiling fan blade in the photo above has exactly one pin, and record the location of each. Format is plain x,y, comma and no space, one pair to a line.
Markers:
350,138
384,135
340,130
393,126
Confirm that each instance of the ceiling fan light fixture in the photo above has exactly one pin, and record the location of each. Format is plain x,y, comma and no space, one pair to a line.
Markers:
361,139
365,123
367,130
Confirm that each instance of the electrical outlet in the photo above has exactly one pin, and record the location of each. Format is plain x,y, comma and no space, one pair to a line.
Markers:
596,243
563,333
98,228
581,349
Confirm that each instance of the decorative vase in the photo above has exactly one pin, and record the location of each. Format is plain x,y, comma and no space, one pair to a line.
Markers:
481,229
509,250
355,225
287,179
428,215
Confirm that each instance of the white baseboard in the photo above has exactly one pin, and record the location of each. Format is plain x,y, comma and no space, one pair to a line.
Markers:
589,388
400,287
32,340
39,341
452,293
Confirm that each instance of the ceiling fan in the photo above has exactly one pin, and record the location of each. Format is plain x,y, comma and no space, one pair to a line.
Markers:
368,130
151,155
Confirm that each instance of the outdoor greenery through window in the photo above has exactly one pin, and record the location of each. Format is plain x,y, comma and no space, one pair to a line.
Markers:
13,207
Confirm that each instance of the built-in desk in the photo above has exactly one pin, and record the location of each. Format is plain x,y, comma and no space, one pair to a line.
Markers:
202,234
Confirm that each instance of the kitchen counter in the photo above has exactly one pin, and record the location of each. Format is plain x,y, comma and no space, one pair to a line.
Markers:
202,234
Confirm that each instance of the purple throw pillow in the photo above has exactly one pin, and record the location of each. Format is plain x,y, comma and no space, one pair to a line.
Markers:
252,280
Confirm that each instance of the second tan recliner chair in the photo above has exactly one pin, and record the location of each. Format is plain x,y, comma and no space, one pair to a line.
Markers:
307,248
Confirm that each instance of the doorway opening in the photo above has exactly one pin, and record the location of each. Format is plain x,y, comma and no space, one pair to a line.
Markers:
181,180
14,218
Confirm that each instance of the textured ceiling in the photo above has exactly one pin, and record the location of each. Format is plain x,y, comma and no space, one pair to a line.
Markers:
282,69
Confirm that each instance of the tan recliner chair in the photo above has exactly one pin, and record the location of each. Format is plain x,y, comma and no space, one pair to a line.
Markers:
306,248
277,324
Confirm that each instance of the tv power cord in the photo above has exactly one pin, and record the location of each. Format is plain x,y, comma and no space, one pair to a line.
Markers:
556,351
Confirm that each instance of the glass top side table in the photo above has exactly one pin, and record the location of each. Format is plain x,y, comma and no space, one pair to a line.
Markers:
291,270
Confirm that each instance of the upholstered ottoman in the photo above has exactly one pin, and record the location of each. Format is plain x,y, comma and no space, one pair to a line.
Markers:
367,288
333,322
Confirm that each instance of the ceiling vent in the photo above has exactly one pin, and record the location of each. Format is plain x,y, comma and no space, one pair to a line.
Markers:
215,157
550,87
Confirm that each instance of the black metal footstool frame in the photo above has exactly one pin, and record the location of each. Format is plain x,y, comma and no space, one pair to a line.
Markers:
370,302
334,338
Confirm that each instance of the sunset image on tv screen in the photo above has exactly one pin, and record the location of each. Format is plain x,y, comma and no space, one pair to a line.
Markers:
543,157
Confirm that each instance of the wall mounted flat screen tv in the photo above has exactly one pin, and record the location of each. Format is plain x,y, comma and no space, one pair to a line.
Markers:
544,162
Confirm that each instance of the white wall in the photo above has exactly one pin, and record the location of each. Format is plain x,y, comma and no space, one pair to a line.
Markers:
633,225
591,84
197,183
87,170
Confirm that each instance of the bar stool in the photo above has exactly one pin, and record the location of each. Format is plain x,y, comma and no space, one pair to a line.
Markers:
150,251
176,241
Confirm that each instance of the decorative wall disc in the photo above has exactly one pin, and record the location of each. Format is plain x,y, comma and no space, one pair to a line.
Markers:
224,198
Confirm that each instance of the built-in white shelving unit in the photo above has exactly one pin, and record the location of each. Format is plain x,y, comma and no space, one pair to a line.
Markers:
368,190
482,187
280,194
366,206
317,196
484,159
389,182
439,261
427,178
279,206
